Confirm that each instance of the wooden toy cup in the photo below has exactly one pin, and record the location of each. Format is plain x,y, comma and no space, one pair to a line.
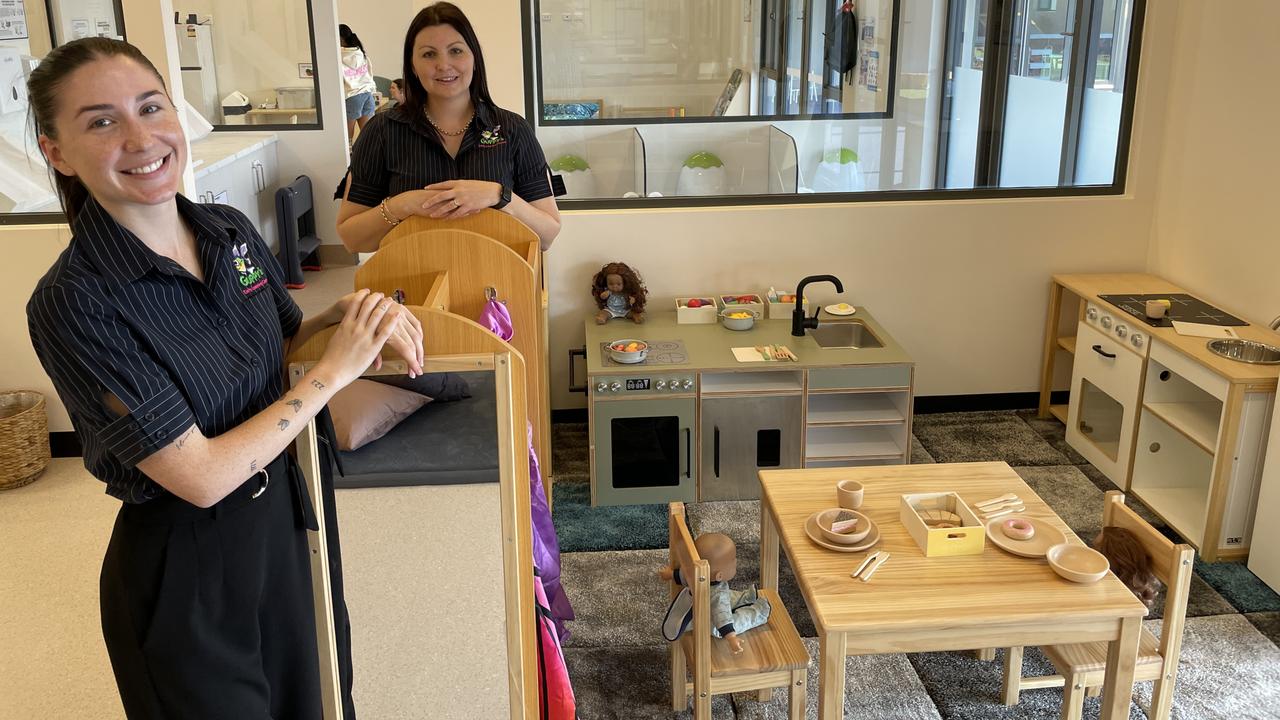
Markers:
849,494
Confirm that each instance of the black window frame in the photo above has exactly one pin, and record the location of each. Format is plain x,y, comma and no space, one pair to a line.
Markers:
990,129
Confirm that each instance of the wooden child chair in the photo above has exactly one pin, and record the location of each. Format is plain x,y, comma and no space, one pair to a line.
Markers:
773,655
1083,666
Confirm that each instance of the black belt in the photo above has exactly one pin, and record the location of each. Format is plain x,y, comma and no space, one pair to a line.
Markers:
282,471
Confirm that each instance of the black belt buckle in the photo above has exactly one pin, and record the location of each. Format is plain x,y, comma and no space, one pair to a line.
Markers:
262,485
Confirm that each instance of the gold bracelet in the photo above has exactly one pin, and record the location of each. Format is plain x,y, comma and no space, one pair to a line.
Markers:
386,214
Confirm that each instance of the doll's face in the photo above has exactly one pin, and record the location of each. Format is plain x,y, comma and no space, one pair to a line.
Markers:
614,282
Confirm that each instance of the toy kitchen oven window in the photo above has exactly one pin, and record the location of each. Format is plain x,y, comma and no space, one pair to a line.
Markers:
642,438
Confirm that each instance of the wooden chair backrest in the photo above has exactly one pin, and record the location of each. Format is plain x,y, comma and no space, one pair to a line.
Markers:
1171,562
696,574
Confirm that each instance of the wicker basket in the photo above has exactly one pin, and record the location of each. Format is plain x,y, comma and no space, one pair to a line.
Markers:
24,438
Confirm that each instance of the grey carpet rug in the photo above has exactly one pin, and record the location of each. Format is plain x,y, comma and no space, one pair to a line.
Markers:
619,664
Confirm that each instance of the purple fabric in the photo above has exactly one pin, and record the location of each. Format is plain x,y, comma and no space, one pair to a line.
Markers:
546,546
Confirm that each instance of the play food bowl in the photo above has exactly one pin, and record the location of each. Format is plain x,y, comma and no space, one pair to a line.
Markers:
860,532
1077,563
632,350
734,320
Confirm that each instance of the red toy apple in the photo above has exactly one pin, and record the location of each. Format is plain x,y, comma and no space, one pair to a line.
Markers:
694,303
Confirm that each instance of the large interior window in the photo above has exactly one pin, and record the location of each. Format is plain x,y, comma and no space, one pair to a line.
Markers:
726,101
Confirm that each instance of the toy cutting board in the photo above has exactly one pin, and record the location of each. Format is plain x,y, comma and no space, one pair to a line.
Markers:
750,354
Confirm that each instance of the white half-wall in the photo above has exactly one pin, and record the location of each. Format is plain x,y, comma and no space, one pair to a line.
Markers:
1216,215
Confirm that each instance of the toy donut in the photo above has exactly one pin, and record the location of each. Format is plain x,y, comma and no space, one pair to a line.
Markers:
1018,529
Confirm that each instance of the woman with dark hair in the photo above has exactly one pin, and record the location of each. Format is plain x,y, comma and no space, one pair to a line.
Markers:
357,81
447,151
164,327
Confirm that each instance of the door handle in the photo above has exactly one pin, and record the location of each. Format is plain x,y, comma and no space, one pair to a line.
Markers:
576,352
1098,349
716,451
688,452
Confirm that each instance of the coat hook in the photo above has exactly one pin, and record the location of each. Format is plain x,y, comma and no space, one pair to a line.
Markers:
490,294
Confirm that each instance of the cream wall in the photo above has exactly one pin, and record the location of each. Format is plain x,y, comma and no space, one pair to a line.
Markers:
1215,221
381,25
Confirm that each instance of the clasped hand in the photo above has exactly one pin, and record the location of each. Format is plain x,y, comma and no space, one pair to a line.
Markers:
369,322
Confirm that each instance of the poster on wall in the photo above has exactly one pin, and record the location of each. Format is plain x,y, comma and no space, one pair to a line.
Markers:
79,28
13,20
873,71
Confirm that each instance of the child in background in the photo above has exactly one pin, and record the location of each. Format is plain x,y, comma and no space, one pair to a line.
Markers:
357,81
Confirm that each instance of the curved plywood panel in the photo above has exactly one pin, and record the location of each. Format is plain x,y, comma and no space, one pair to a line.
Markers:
473,262
496,224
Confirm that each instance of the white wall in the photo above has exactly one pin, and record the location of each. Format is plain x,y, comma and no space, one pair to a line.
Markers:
1215,221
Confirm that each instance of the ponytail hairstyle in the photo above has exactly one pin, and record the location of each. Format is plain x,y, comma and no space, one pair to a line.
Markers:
348,38
44,91
441,13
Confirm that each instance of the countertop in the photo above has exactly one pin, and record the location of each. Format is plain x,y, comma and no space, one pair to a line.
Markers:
709,345
1090,287
219,149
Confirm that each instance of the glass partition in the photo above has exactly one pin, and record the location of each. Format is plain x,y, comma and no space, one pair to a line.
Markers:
872,96
249,63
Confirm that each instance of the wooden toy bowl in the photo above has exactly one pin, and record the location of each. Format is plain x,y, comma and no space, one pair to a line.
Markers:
1077,563
860,532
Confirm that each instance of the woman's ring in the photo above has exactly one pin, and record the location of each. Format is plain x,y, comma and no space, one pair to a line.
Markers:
455,203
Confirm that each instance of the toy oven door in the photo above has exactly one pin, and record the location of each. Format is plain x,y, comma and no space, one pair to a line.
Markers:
642,451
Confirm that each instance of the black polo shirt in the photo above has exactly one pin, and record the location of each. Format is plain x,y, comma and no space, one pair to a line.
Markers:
397,152
112,316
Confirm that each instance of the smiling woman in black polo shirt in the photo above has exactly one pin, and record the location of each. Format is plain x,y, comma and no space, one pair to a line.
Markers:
163,327
447,151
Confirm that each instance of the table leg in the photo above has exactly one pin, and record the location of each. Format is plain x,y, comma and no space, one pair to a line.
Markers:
831,654
1050,348
1122,656
768,550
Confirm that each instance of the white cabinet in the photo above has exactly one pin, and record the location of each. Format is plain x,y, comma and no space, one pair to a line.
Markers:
245,176
1198,459
1264,559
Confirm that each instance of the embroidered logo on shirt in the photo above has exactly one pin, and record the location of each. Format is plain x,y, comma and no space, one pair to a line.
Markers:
251,278
492,138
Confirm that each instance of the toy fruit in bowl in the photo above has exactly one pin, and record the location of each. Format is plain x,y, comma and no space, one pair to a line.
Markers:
736,319
628,350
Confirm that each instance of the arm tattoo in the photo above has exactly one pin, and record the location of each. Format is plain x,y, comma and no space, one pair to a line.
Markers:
317,384
296,404
253,466
283,424
185,436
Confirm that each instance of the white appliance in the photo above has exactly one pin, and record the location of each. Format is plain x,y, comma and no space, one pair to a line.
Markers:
1264,549
199,78
1106,390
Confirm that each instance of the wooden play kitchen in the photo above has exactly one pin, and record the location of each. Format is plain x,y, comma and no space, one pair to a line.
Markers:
920,603
1178,427
697,417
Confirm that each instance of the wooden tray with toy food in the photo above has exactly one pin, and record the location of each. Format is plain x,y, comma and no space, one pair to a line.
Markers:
941,524
743,301
701,310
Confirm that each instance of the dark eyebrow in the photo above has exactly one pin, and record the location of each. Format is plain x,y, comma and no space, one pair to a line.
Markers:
108,106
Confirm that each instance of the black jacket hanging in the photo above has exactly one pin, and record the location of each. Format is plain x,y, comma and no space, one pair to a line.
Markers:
842,41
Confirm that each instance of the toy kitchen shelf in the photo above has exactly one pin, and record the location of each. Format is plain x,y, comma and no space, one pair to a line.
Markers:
1196,422
693,423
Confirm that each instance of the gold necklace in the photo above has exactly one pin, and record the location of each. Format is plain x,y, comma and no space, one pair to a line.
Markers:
444,132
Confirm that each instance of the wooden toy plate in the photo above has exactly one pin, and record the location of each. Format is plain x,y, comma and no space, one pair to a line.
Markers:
1046,537
815,534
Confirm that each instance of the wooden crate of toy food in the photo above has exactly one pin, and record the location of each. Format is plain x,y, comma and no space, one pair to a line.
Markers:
781,304
742,301
703,312
942,525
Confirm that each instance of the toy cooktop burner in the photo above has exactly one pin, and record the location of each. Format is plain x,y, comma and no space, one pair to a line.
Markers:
661,352
1183,308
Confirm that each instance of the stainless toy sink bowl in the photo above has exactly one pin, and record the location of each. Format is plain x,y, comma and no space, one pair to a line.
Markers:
847,335
1246,351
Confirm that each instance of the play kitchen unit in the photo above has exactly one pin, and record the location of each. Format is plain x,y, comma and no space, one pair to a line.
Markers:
707,406
1178,420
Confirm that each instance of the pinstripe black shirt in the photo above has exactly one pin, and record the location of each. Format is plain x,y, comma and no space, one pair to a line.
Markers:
396,153
112,316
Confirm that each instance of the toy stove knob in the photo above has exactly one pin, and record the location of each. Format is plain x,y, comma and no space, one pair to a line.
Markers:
1106,322
615,386
1092,314
601,387
1121,331
688,383
660,385
1137,340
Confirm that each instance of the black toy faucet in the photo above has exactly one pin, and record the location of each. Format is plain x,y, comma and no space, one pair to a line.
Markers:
798,321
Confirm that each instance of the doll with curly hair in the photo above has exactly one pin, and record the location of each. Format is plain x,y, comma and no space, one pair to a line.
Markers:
619,292
1129,561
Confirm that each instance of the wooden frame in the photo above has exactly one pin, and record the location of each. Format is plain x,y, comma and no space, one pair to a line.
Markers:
1082,666
455,344
773,656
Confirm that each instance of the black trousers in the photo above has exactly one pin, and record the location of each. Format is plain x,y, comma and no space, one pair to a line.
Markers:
208,612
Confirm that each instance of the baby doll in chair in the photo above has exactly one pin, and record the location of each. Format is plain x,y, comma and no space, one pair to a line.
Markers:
732,611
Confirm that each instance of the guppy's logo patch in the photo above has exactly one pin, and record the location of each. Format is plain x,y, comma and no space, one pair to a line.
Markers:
250,277
492,137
